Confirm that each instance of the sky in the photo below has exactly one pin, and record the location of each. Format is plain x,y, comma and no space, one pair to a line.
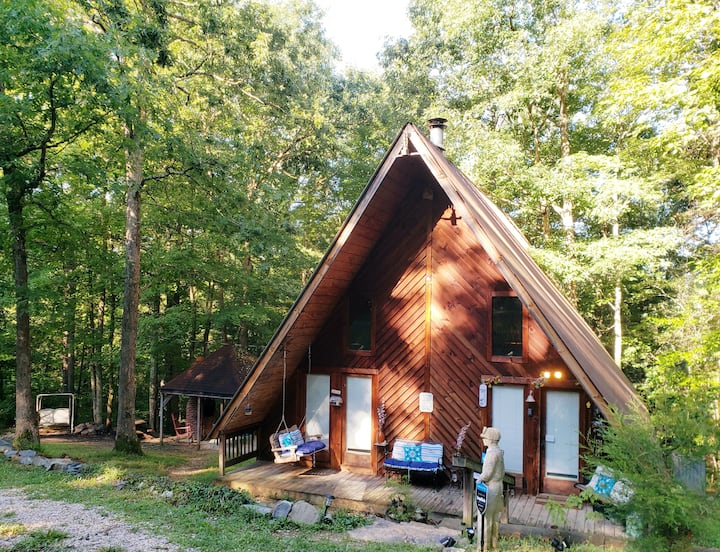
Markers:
359,28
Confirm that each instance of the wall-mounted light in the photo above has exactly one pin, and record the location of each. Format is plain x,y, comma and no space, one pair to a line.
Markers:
425,402
530,403
248,410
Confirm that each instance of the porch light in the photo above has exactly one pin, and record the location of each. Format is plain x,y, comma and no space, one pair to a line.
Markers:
530,398
557,374
248,410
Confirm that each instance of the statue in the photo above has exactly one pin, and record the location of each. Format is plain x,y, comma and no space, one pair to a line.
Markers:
493,470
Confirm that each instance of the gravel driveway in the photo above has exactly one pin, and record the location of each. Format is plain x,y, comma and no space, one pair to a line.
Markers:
88,529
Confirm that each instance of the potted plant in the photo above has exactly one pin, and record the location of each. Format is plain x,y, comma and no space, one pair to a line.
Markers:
458,459
382,414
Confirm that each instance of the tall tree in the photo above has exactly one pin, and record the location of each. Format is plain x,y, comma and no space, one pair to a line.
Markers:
50,71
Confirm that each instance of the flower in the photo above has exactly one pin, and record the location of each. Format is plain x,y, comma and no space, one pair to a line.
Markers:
381,415
461,437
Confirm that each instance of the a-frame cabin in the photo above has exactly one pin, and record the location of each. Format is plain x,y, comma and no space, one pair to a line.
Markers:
429,288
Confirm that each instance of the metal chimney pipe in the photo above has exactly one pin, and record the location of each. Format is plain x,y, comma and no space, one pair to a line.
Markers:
437,131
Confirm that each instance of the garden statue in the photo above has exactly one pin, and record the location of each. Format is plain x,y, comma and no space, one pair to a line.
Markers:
493,470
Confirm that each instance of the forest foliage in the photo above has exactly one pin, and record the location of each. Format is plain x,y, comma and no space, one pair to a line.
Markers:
242,146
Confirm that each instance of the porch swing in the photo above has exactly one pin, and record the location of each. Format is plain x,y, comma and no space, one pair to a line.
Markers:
287,443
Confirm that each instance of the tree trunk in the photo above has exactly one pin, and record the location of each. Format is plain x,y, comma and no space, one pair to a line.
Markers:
126,439
154,387
110,356
27,434
68,359
617,310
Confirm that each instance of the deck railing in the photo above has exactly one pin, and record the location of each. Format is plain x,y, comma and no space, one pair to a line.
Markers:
237,447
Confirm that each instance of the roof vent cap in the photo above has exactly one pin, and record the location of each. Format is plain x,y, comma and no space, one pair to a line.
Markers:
437,131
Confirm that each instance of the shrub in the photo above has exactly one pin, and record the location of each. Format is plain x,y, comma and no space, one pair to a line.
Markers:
670,514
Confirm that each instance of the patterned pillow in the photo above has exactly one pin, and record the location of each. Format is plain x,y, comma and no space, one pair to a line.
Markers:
297,437
286,440
602,484
412,453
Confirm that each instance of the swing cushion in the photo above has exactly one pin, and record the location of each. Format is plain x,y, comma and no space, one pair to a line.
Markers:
310,446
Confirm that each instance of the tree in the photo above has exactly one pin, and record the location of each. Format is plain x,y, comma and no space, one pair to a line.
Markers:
51,70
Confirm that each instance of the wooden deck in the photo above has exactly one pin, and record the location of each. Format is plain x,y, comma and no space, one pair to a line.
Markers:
372,494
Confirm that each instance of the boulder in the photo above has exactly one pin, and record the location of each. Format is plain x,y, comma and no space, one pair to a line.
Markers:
282,509
304,512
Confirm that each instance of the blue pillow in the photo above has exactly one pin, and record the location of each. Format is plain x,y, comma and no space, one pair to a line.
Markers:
604,485
286,440
412,453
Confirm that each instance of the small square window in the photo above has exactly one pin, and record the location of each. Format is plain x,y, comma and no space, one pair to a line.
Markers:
507,327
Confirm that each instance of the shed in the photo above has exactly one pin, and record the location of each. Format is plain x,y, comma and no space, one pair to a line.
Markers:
209,384
428,287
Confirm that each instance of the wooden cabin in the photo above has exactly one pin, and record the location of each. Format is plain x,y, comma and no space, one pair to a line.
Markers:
429,288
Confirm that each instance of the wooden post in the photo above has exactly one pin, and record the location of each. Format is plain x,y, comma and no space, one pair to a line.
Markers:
468,492
221,456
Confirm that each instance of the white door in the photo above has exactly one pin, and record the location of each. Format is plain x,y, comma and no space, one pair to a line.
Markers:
317,409
508,409
562,434
358,421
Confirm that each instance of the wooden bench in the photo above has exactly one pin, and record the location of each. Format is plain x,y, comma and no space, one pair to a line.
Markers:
415,456
603,487
291,446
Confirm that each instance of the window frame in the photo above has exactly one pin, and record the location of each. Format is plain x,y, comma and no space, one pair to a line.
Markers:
348,322
523,357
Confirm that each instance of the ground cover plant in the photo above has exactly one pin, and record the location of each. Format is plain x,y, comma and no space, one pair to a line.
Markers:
188,510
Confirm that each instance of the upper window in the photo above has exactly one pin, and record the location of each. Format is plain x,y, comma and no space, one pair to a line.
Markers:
507,326
360,324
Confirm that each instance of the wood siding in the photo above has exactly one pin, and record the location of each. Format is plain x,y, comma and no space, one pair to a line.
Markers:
406,263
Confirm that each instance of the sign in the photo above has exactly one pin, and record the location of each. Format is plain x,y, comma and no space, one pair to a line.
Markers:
481,492
425,402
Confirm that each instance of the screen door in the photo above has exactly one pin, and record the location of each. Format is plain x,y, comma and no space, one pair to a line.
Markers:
562,434
508,409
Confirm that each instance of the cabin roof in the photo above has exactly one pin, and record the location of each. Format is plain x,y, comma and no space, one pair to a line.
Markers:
413,161
219,375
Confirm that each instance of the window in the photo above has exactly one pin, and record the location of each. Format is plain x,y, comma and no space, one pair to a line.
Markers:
507,326
360,324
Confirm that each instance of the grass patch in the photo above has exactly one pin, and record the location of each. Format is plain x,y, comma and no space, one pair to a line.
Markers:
41,541
11,530
191,512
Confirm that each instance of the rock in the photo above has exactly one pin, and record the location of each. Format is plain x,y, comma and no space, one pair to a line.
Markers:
304,512
42,462
260,509
282,509
27,453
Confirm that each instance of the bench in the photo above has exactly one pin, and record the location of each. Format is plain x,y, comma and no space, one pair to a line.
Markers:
415,456
291,446
603,487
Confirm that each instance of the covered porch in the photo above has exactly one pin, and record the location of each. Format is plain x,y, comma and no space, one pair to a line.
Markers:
526,514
